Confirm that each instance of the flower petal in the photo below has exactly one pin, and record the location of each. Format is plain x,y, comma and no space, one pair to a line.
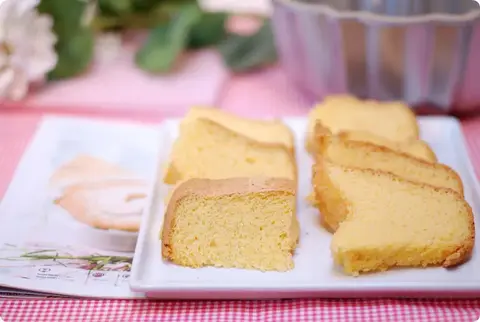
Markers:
6,79
19,87
30,40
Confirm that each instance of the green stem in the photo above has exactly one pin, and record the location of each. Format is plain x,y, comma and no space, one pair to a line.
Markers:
41,251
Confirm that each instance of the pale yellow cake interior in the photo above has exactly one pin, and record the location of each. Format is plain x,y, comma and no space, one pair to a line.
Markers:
262,131
206,149
365,155
391,120
391,222
252,231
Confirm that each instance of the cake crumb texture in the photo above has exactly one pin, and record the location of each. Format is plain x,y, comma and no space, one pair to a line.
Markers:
387,221
214,144
232,223
371,156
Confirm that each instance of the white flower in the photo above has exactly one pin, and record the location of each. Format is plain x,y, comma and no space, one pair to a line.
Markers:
26,47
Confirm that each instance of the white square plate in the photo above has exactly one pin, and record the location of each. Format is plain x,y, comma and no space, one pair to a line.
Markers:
314,273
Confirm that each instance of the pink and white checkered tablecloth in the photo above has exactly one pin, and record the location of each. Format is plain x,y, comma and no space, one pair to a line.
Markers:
15,132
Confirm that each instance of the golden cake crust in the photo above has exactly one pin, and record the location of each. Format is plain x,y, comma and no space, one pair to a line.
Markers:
326,141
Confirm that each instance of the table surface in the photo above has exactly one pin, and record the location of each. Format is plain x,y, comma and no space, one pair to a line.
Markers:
267,93
16,129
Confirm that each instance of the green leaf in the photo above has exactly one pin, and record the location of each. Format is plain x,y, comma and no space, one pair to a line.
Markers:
145,5
167,41
74,54
245,53
208,31
117,7
75,42
66,14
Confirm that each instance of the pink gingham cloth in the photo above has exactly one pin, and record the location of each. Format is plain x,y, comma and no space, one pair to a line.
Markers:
15,133
241,311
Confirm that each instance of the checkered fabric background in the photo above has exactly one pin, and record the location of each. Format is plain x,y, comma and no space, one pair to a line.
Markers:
15,133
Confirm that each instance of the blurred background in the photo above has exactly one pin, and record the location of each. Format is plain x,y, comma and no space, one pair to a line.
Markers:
281,56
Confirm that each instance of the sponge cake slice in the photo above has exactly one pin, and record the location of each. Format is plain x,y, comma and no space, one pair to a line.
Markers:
369,156
394,121
235,223
388,221
215,146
